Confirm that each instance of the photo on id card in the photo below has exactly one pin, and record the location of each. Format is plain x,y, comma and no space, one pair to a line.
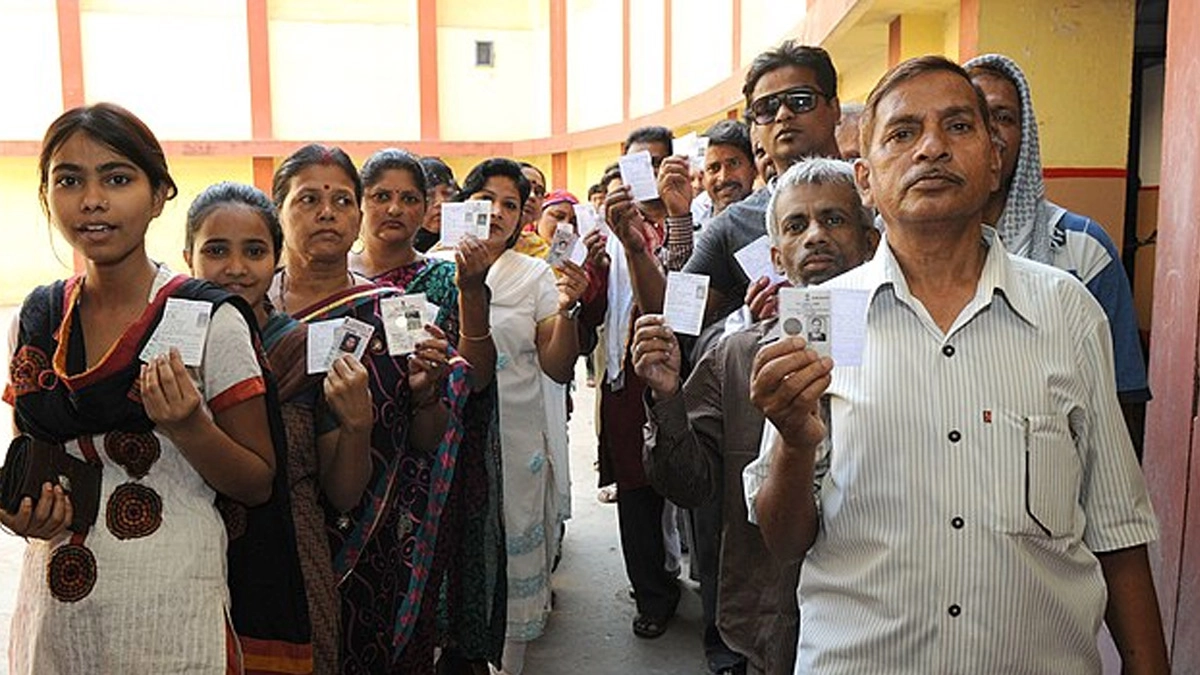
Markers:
807,313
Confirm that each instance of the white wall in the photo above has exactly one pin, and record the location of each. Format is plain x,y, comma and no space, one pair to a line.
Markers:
31,80
645,57
185,73
347,80
594,88
701,46
470,97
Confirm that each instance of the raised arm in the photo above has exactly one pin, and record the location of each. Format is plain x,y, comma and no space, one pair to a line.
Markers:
558,335
787,383
474,327
646,274
683,458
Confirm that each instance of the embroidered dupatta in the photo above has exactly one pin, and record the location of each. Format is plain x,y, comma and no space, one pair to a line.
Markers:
407,489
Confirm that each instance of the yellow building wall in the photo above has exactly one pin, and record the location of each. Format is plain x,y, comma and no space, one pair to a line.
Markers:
180,66
701,46
594,87
32,254
164,240
1077,58
585,167
855,83
29,37
951,36
922,33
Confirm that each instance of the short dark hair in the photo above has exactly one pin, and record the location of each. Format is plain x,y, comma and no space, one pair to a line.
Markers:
792,53
491,168
437,173
393,159
118,130
905,71
227,193
611,172
595,189
733,133
313,154
650,135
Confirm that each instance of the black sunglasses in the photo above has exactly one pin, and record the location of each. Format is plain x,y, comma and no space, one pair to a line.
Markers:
764,109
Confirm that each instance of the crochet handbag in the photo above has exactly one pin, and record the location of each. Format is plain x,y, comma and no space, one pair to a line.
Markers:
31,462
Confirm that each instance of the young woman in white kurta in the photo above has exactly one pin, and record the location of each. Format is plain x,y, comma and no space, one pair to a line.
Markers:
533,327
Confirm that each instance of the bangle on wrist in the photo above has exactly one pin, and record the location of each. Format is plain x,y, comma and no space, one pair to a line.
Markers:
476,338
571,312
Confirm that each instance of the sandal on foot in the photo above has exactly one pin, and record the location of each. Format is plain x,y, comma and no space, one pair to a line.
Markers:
650,627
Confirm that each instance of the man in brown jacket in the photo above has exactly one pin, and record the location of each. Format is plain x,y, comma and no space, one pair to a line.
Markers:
700,436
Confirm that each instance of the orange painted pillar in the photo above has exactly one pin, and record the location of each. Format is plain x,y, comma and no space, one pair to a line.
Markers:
70,59
427,49
261,122
1172,453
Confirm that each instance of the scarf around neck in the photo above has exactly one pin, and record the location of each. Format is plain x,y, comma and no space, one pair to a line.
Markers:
1026,225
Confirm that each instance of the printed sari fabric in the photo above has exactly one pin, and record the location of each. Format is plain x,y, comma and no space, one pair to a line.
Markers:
387,549
304,419
474,589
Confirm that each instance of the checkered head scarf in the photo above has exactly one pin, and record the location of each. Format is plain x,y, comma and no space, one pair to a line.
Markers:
1027,224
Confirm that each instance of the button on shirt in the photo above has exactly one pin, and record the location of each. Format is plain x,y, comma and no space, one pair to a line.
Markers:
961,499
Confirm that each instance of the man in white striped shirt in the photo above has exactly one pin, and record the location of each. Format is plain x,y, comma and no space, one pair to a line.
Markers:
966,500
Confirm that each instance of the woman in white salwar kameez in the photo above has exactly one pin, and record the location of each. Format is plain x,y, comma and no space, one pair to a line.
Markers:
533,327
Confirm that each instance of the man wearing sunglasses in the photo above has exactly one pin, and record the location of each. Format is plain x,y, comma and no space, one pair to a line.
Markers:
792,105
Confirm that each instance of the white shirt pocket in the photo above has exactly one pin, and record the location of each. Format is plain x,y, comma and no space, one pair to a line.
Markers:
1052,475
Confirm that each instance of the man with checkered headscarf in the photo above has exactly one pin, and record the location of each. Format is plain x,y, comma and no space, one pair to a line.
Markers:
1038,229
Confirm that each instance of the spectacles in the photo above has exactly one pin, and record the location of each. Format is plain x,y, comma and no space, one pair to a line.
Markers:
764,109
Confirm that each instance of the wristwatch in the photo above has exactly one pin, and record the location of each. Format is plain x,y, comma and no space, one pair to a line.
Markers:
571,312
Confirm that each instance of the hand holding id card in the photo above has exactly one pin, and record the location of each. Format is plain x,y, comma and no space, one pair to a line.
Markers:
832,321
327,340
184,326
404,320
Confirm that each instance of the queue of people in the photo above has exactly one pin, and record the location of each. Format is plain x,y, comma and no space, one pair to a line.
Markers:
284,494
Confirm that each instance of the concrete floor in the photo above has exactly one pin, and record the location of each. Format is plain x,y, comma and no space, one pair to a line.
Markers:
589,631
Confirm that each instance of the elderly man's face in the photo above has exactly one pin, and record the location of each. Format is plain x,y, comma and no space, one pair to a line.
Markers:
847,137
821,233
1005,107
931,159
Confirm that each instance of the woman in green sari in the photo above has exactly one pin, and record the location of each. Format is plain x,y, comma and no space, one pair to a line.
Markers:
474,589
